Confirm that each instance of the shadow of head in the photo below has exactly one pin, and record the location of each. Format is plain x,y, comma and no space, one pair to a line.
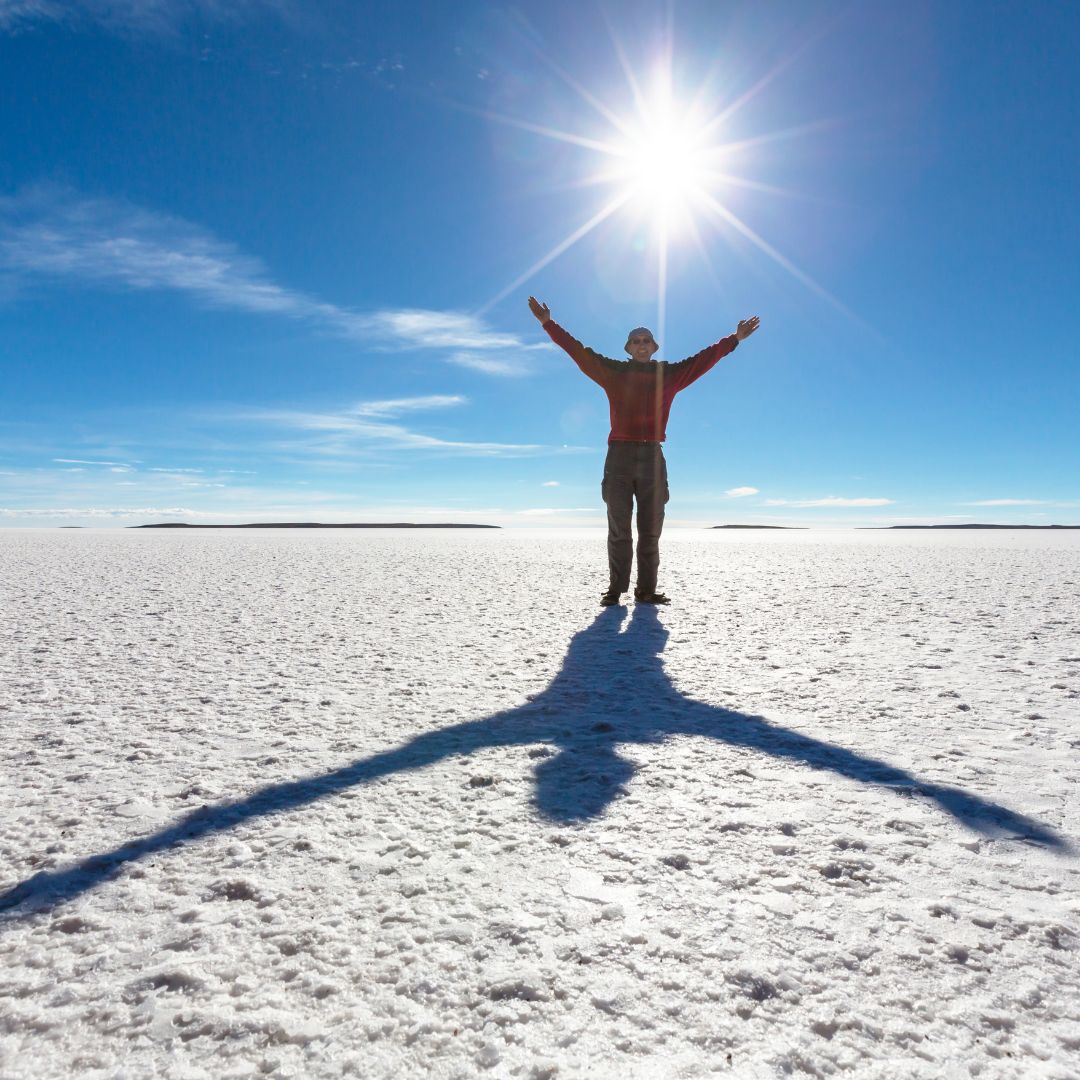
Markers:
611,690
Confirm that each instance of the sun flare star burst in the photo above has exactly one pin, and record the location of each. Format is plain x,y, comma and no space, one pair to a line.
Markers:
664,164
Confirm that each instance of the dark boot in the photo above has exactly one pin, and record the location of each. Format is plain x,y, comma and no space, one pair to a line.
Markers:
651,598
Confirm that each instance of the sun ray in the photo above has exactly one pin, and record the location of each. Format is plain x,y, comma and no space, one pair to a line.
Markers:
730,180
605,212
610,116
592,180
661,280
776,136
747,96
624,63
779,258
699,242
539,129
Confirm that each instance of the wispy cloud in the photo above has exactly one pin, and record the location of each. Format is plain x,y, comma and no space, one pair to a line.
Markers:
15,14
96,512
828,501
1009,502
81,461
490,365
740,492
365,426
440,329
542,511
51,233
396,406
550,483
147,16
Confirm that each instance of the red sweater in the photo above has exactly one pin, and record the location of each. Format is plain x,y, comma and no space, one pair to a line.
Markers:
639,393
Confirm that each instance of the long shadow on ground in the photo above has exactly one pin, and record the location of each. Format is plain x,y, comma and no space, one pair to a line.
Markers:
612,689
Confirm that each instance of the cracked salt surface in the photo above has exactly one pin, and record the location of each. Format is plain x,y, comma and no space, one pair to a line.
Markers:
402,804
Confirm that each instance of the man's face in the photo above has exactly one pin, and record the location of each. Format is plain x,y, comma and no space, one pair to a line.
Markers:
642,346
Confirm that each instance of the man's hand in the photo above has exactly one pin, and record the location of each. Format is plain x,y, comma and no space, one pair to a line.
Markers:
747,327
541,311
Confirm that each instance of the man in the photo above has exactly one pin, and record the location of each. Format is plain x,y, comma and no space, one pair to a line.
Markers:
640,392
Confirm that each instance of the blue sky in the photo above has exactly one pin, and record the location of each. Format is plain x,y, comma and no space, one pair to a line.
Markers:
267,260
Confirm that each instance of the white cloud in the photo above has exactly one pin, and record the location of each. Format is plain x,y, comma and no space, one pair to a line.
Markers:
148,16
740,492
489,365
344,433
15,13
395,406
180,470
829,501
54,233
80,461
543,510
91,511
550,483
440,329
1009,502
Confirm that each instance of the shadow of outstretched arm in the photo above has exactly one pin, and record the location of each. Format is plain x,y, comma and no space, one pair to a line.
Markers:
60,885
976,813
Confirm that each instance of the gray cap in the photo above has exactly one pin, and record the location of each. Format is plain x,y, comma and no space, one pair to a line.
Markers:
640,330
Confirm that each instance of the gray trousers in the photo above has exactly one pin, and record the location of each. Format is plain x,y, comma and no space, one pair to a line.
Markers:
634,470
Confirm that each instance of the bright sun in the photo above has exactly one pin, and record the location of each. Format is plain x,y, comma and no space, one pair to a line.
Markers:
664,166
662,160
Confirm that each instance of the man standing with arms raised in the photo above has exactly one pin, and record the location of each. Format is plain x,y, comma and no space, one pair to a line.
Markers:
640,392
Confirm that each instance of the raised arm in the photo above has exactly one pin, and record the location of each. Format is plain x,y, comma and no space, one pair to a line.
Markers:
693,367
590,362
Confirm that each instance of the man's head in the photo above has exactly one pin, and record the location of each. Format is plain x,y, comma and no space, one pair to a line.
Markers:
640,343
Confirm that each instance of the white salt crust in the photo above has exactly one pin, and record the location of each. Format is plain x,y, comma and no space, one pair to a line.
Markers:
393,804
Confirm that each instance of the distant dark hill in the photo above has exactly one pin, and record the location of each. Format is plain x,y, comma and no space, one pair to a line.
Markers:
759,526
311,525
973,526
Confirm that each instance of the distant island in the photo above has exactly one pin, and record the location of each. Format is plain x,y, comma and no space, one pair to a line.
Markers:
312,525
759,526
971,526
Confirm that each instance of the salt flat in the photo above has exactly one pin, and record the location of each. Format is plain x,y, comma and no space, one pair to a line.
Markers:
401,804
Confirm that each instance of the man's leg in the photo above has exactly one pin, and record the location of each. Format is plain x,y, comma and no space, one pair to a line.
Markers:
652,493
618,492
